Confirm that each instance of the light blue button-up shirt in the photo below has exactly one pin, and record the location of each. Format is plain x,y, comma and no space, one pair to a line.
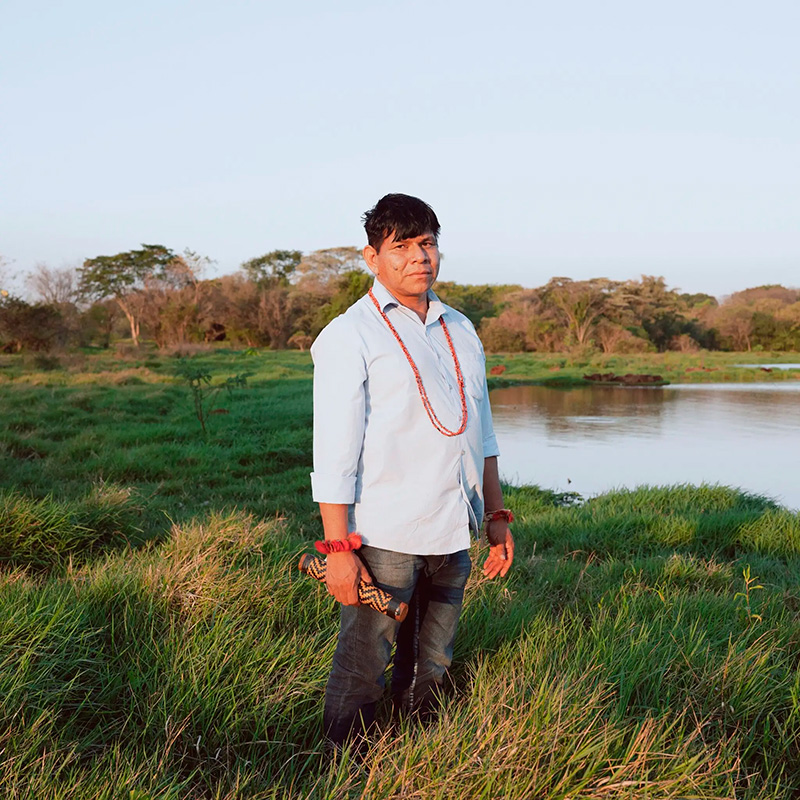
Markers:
410,489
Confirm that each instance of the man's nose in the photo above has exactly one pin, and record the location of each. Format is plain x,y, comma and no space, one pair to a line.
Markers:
418,252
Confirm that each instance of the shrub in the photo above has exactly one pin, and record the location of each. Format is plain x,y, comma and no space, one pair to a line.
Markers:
30,327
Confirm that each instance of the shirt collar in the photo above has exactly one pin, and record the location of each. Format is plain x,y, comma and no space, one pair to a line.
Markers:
385,299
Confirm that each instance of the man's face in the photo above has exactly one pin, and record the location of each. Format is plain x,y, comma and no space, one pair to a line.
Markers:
406,267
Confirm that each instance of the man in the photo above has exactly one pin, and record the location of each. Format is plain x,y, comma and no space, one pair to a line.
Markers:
404,454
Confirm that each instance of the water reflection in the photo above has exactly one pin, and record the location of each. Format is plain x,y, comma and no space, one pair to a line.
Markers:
591,439
584,411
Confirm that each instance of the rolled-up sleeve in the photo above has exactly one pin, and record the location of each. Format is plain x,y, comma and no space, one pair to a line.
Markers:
490,447
339,408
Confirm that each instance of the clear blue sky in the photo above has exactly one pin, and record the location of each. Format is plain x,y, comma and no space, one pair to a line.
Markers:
572,138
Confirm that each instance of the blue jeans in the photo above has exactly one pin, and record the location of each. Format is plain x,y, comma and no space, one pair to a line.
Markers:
433,586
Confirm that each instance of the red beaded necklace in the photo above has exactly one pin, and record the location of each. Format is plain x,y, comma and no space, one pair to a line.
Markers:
422,393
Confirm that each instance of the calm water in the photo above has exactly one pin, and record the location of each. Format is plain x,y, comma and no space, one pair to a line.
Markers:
593,439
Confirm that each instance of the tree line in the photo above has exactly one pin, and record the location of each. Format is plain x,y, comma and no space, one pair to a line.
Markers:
283,299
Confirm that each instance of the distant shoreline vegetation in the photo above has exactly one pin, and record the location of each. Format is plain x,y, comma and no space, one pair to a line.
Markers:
569,369
284,298
125,365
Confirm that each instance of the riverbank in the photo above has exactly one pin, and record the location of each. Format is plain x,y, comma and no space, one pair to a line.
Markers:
158,641
558,369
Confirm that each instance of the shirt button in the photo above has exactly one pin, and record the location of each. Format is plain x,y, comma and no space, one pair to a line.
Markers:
463,452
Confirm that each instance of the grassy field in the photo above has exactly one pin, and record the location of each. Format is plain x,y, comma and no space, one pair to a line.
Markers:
156,640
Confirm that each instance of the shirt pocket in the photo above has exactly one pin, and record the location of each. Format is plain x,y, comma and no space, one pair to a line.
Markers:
473,368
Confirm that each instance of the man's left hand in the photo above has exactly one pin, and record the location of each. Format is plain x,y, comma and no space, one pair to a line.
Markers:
501,549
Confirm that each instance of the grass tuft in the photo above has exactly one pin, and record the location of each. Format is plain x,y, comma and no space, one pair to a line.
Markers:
46,533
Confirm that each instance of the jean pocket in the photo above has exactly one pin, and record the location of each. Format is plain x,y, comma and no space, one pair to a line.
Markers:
390,569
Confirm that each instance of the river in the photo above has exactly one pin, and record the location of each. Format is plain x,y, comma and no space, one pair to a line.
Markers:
593,439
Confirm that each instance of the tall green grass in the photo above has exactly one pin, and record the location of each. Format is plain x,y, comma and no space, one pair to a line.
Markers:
45,533
157,641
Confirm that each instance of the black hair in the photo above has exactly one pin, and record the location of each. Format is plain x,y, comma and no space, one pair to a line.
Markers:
401,214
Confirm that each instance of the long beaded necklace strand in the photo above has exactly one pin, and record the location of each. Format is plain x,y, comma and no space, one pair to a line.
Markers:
422,393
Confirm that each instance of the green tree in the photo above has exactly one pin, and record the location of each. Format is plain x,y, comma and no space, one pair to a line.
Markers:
789,334
277,266
174,300
758,317
352,285
499,335
123,277
698,300
276,313
579,304
474,301
319,272
275,305
26,326
665,317
735,323
97,323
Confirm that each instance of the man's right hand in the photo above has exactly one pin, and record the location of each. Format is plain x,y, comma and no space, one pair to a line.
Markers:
344,571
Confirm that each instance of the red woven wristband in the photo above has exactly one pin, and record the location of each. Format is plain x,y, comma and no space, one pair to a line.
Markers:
501,513
352,542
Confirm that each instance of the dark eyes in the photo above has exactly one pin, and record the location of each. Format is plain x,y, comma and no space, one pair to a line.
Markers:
427,244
